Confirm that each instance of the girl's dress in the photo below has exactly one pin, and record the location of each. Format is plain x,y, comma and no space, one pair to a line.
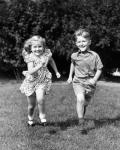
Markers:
41,78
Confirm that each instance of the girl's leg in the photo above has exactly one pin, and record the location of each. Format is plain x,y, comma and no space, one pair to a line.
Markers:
31,106
40,92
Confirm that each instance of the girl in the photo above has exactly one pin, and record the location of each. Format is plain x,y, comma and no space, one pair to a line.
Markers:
37,80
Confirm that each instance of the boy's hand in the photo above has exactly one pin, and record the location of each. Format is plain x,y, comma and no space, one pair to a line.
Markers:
58,75
92,81
69,80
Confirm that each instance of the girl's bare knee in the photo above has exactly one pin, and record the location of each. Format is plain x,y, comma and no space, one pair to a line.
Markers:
31,107
40,95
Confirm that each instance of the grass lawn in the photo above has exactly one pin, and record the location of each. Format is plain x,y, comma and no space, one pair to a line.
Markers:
102,130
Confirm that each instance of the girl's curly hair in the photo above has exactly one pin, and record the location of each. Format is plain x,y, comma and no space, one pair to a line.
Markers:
28,43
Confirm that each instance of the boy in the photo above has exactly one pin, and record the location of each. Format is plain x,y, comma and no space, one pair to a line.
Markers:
87,68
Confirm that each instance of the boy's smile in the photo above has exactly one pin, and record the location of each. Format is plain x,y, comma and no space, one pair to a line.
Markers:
83,43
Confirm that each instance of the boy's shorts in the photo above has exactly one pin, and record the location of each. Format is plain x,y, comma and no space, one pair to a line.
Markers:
84,87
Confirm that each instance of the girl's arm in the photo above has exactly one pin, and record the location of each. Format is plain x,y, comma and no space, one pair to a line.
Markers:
32,69
53,65
72,68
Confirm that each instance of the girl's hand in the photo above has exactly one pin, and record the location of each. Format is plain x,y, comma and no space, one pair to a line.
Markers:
69,80
58,75
25,73
43,61
92,81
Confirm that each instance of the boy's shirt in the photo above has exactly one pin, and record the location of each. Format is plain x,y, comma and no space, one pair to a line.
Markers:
86,64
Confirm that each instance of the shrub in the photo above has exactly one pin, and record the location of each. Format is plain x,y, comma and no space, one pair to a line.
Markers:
57,20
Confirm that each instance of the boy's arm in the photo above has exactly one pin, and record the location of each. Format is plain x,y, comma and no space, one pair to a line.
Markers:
98,67
53,65
96,77
71,73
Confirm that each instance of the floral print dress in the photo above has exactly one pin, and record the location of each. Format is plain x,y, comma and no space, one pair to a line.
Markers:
41,78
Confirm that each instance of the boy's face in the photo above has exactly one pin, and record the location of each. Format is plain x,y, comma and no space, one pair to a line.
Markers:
82,43
37,48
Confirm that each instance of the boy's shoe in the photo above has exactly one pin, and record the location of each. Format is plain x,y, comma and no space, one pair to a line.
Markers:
30,123
81,124
81,121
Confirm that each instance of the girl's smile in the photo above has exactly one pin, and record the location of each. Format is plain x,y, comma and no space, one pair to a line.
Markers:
37,48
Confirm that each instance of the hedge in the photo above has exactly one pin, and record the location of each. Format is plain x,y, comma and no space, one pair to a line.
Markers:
57,20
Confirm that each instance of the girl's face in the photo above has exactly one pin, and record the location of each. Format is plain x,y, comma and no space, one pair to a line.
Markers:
37,48
82,43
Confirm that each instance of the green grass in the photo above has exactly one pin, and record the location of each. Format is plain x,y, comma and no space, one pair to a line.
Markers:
102,130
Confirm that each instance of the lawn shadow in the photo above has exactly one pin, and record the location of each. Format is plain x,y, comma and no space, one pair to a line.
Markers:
68,123
55,127
90,124
64,124
98,123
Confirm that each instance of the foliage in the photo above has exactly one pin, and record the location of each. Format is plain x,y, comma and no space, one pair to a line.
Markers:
57,20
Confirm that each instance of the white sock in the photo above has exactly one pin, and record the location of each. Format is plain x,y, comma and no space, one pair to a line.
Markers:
30,117
42,118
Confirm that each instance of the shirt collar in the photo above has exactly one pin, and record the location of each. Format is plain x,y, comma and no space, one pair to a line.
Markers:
85,52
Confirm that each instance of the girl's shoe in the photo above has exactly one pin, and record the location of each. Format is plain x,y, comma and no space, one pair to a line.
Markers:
30,123
43,119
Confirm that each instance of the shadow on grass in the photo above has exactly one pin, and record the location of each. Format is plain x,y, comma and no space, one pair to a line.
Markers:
55,127
68,123
92,124
64,124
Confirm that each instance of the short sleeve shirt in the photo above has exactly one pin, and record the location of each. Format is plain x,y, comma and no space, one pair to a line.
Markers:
86,64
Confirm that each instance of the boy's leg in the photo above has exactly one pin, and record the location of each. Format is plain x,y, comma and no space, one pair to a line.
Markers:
40,92
89,93
80,105
81,109
80,95
87,101
31,106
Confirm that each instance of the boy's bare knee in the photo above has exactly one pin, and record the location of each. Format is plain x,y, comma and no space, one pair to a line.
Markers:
40,101
80,98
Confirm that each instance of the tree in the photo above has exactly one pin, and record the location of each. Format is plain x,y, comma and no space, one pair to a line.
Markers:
57,20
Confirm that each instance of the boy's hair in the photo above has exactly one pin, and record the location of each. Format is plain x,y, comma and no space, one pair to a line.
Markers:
82,32
28,43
